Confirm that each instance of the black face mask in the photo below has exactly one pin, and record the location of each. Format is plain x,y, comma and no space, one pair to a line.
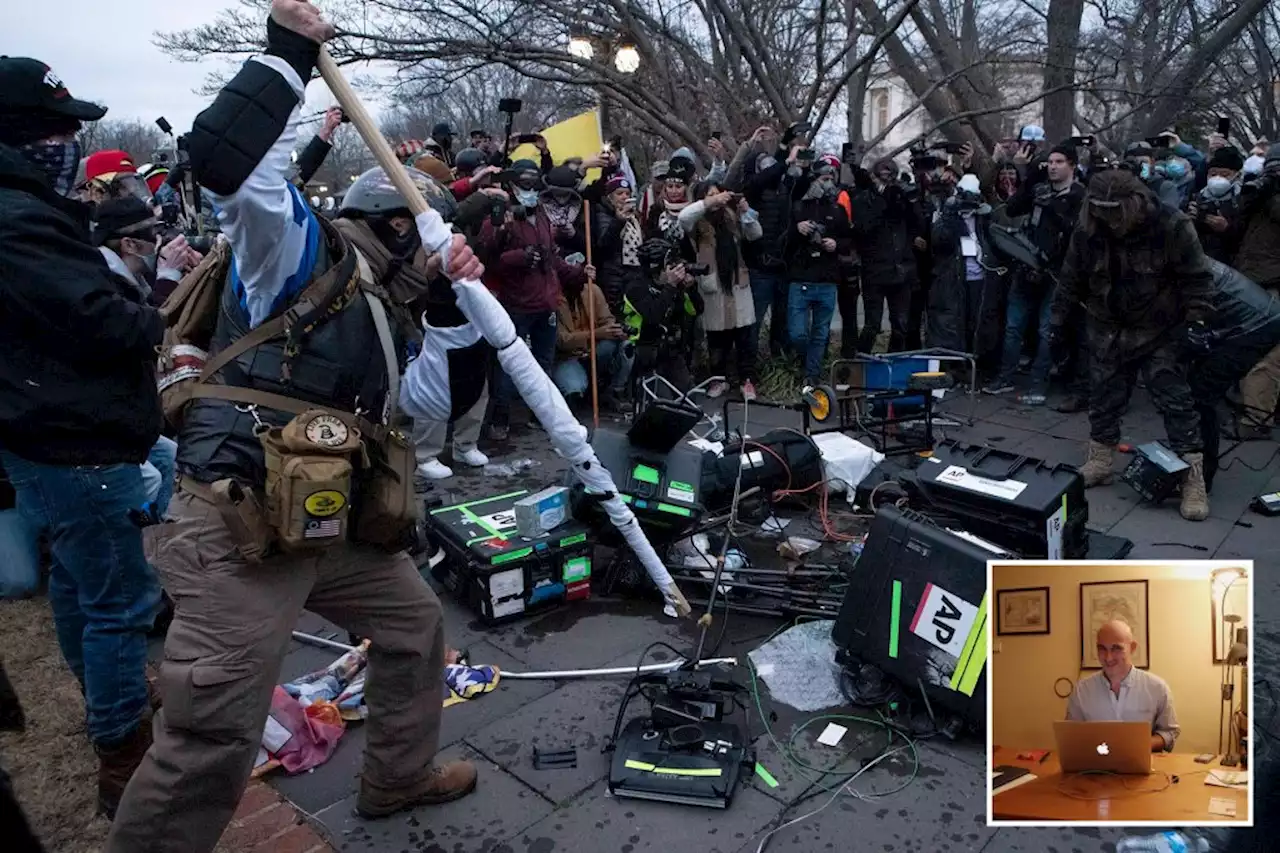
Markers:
399,245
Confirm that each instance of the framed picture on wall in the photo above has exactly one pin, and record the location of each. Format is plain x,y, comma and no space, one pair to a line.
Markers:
1105,601
1022,611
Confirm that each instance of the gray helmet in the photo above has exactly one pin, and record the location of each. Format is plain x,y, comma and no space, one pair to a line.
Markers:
469,159
373,194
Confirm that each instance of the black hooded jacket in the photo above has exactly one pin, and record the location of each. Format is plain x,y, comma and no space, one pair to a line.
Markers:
77,379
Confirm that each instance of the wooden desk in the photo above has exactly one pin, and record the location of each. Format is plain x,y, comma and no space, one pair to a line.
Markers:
1183,802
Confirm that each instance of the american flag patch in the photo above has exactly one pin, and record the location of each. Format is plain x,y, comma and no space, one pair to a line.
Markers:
323,529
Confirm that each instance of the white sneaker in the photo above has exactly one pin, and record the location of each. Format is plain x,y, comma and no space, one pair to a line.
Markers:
717,389
472,457
435,470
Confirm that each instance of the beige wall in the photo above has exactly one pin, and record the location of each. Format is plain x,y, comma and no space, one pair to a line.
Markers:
1024,668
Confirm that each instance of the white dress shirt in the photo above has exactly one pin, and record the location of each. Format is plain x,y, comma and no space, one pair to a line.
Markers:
1143,698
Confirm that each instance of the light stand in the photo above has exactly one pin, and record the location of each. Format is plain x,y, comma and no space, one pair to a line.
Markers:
1238,719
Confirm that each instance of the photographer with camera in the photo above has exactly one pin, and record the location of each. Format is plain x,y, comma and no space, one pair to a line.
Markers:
717,224
1051,199
771,182
964,298
887,232
127,233
660,314
1216,208
821,234
617,234
526,274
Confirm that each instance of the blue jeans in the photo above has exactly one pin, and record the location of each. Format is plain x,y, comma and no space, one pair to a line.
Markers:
613,365
769,291
809,336
19,555
1027,304
102,591
158,473
540,331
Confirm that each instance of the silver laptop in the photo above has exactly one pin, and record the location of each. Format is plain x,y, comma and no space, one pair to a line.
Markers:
1112,747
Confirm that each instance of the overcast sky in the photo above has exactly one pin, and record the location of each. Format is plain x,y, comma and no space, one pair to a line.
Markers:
103,52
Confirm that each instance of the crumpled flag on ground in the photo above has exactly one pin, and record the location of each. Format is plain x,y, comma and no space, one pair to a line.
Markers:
461,682
464,682
298,738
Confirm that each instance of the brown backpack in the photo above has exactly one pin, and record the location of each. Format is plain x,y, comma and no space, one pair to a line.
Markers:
191,313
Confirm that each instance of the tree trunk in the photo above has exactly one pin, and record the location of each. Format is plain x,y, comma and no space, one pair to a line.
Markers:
1063,36
856,89
1172,98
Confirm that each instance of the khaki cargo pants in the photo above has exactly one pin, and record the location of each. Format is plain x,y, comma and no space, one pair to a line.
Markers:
222,661
1260,389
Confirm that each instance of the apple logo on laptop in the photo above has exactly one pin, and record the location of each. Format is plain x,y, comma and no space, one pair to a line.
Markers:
1103,749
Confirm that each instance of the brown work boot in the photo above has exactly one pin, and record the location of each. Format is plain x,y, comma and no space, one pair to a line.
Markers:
1096,470
116,765
446,783
1195,500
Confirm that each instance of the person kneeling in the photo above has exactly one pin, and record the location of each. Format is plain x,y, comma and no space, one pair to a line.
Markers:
614,353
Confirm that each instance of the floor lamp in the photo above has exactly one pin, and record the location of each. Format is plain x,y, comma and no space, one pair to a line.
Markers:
1239,719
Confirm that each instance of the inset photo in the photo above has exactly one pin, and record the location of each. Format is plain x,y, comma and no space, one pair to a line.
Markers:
1119,693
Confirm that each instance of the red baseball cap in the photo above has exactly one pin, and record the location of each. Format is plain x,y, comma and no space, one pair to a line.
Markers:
105,165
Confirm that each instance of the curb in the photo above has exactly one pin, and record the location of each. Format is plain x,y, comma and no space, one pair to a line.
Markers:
266,822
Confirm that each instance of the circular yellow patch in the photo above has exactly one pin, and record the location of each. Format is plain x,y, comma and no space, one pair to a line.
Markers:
326,503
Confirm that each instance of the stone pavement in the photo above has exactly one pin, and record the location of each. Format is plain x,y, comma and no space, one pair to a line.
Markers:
521,810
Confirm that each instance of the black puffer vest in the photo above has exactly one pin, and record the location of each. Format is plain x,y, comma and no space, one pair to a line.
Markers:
340,364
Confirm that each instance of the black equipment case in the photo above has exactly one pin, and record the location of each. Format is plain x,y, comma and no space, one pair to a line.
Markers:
502,575
781,459
1013,500
916,608
662,486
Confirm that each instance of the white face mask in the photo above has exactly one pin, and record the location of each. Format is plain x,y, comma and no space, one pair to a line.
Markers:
1218,186
1253,166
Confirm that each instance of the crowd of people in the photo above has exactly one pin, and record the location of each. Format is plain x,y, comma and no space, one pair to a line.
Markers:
1055,261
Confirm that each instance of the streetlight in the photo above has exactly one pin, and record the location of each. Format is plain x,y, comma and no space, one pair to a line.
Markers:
627,59
580,46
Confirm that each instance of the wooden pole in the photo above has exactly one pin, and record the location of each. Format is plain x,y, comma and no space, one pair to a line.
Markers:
591,317
368,129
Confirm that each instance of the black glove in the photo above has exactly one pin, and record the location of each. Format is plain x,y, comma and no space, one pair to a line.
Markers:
1199,338
534,256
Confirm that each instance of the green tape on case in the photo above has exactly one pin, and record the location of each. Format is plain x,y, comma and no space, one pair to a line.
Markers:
895,618
577,569
973,657
766,775
514,555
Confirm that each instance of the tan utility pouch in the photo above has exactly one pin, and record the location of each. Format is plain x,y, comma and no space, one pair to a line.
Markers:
308,488
388,511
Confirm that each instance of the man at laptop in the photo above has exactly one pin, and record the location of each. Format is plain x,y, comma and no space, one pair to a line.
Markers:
1122,692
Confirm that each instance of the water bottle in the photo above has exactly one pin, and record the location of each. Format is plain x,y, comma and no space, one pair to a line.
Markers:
1165,842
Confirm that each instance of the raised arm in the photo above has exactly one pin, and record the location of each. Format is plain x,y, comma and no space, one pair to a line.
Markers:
240,149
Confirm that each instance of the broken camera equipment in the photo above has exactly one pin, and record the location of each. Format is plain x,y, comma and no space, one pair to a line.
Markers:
1154,472
683,751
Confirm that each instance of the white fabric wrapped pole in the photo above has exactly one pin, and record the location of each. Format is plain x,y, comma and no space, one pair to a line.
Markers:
546,402
480,307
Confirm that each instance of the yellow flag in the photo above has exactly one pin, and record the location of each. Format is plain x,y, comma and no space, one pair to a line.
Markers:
576,137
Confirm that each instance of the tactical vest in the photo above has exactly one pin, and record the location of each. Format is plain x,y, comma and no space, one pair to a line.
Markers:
332,357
